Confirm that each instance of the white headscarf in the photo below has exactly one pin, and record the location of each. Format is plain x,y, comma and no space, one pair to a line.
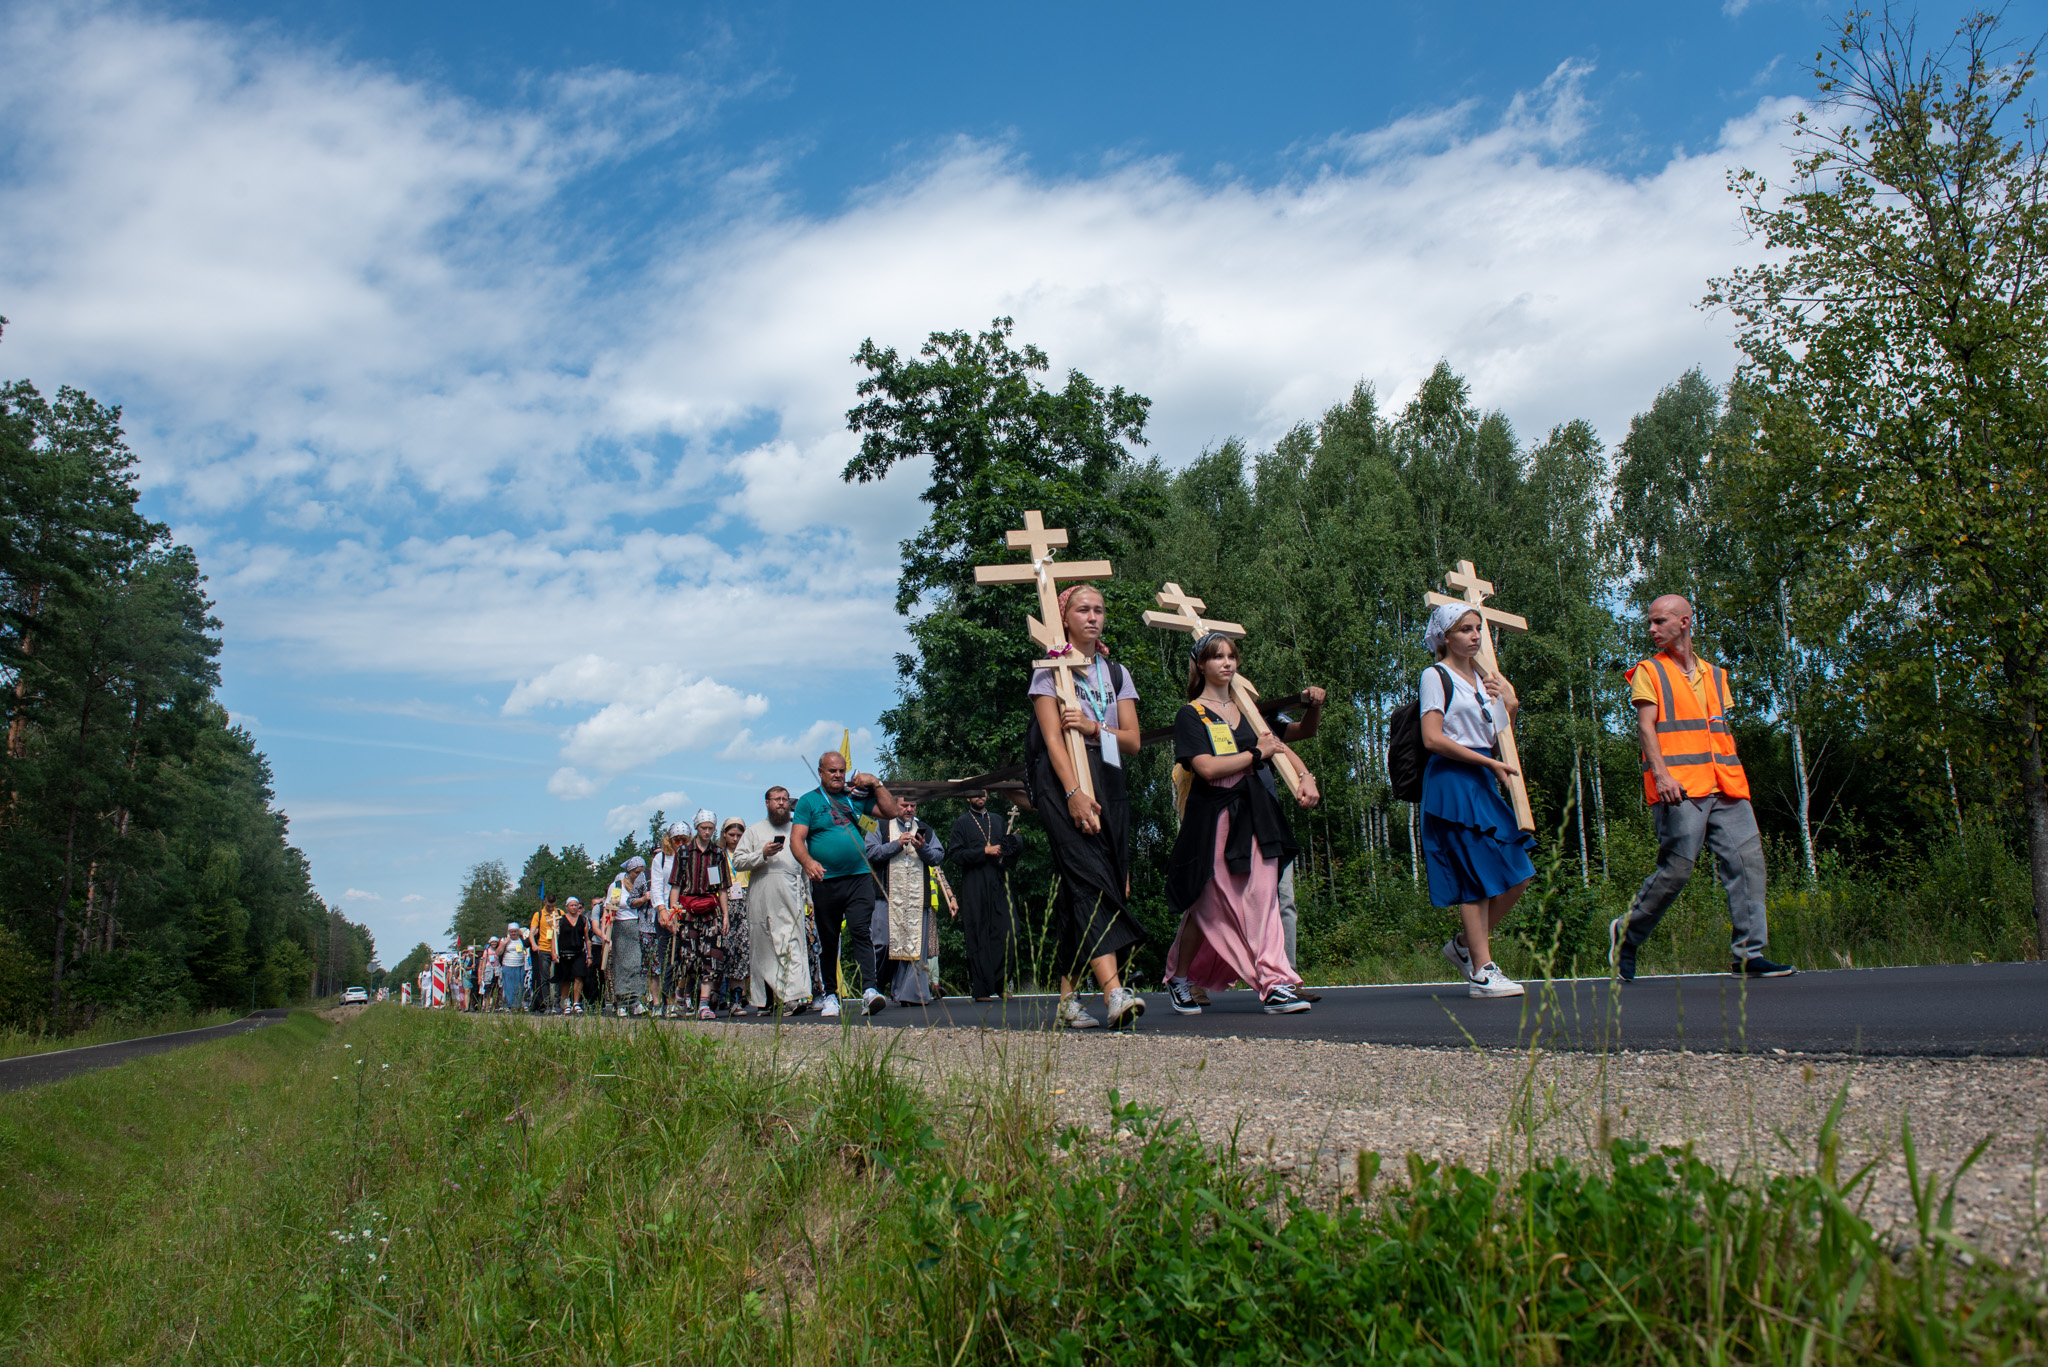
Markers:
705,814
1440,623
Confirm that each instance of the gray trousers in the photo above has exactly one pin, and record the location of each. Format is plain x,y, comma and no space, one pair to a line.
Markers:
1726,826
623,965
1287,913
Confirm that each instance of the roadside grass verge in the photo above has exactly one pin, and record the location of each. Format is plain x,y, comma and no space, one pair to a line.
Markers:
413,1188
16,1041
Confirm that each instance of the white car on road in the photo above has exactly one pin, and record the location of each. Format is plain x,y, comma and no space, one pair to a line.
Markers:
355,995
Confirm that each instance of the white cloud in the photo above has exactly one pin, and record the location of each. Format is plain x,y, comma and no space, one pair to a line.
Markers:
358,895
631,816
368,309
819,737
570,786
649,710
412,897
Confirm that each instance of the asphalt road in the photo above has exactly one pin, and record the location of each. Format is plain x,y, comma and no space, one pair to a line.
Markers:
33,1070
1943,1011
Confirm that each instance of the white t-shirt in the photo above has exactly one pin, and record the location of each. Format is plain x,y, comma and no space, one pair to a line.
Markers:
1464,722
1099,679
617,898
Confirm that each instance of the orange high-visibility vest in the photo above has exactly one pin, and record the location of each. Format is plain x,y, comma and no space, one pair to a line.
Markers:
1698,748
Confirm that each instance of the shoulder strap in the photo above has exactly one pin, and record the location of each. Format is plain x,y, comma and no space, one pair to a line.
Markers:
1450,688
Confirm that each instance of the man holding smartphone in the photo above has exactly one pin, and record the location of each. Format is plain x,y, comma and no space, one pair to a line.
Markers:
775,910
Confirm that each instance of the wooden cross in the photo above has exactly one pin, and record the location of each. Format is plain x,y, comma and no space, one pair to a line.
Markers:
1186,615
1047,629
1474,592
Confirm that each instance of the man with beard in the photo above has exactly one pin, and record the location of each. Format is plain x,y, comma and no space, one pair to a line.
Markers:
777,936
984,849
904,853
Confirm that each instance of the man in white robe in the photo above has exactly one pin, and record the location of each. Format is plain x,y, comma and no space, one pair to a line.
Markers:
775,909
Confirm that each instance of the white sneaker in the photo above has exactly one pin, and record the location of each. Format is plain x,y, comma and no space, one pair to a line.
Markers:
1491,982
1072,1016
1460,957
831,1005
872,1001
1123,1007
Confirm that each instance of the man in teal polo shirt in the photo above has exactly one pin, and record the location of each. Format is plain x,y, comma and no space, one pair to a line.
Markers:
829,843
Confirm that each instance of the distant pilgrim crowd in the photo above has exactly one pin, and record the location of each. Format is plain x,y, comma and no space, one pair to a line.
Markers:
744,918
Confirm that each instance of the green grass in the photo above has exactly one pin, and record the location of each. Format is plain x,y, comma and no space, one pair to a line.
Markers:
1964,899
34,1039
412,1188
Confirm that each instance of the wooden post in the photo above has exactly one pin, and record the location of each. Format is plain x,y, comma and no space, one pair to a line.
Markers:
1184,613
1047,629
1474,593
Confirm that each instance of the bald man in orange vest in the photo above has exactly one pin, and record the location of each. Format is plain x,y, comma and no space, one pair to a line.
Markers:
1698,795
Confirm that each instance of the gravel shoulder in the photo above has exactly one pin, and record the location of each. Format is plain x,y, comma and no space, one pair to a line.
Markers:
1308,1107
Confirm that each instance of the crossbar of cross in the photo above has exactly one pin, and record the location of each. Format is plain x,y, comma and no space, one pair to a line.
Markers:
1473,593
1185,614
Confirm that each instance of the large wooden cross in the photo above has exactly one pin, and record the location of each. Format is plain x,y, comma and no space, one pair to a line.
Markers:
1185,614
1473,593
1047,629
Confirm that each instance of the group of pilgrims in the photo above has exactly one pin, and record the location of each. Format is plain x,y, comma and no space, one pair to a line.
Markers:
757,917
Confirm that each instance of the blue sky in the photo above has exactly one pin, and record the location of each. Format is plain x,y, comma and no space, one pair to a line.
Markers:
494,358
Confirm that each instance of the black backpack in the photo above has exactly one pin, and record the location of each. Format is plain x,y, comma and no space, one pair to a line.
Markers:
1406,758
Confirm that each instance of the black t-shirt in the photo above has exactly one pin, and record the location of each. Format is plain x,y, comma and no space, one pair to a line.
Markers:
569,938
1191,734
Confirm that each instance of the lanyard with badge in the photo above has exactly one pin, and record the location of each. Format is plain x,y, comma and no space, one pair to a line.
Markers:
1222,740
1094,689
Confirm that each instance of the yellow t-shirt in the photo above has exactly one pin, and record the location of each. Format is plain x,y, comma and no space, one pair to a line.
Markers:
1643,687
543,929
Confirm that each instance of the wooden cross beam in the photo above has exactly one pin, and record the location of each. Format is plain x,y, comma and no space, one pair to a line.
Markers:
1047,629
1473,593
1186,615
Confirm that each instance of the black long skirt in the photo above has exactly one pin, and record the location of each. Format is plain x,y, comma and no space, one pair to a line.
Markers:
1090,912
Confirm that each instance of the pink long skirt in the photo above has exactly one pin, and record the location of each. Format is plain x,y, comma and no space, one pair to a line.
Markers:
1233,932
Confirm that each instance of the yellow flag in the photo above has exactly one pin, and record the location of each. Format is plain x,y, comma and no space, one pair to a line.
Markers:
867,823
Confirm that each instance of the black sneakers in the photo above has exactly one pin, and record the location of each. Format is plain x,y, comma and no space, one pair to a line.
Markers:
1282,1001
1182,998
1759,967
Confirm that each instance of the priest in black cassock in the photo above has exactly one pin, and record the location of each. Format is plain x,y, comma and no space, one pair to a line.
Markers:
984,850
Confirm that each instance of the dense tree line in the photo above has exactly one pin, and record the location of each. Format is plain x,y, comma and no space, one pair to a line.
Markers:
143,867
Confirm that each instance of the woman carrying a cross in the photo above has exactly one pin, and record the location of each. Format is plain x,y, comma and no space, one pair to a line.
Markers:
1090,837
1477,857
1223,878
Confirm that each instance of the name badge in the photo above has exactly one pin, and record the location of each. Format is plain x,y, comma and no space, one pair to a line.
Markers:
1112,753
1220,739
711,874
